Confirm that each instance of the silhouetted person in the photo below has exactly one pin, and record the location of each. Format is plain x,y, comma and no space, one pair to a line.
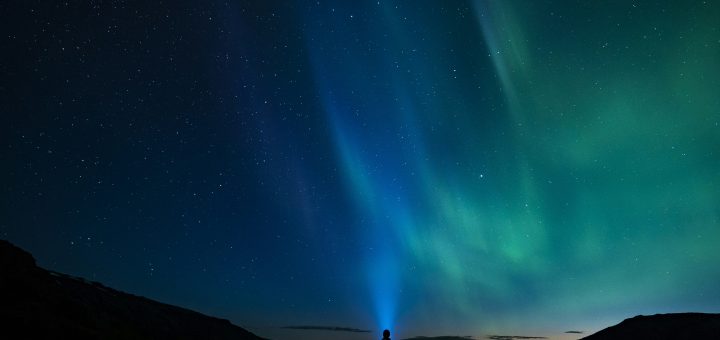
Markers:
386,335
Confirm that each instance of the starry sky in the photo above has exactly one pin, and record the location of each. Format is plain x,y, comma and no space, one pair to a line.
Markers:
433,167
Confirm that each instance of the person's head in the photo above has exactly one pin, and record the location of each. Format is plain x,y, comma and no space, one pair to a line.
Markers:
386,334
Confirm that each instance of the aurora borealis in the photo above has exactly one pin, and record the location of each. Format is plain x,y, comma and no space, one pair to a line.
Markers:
434,167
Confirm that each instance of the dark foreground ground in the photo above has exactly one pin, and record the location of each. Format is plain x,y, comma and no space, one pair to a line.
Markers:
39,304
679,326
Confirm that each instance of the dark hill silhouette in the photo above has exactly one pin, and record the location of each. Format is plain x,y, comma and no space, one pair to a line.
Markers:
678,326
39,304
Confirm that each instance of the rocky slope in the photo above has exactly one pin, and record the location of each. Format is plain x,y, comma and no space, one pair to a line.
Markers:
663,326
39,304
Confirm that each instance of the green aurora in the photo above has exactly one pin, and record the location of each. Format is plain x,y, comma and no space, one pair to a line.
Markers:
587,194
435,167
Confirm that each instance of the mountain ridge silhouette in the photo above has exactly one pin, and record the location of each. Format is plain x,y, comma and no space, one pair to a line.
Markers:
675,326
38,303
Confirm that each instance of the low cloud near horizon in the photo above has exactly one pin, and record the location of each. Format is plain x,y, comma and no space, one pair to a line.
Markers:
328,328
444,337
514,337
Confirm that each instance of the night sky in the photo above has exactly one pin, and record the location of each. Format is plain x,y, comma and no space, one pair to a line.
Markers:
433,167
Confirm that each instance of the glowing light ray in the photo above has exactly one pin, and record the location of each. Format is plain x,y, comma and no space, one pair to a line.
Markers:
374,192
